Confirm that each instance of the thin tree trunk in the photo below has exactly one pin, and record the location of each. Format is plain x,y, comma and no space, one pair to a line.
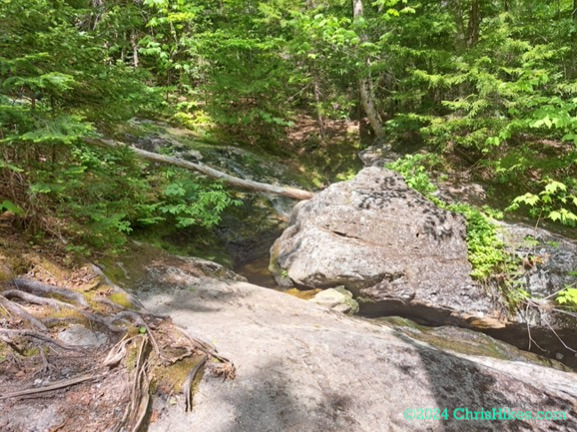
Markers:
461,33
474,23
318,102
134,44
365,83
310,5
365,88
233,181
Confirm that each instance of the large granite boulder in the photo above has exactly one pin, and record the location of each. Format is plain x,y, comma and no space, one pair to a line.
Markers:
395,250
301,367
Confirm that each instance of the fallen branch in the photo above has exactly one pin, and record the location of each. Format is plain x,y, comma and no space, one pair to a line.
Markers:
233,181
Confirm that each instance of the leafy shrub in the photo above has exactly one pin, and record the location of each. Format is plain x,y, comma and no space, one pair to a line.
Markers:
568,297
557,201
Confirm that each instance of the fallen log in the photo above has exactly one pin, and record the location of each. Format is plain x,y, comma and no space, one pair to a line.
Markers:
286,191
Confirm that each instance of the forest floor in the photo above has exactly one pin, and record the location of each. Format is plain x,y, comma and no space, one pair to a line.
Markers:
79,353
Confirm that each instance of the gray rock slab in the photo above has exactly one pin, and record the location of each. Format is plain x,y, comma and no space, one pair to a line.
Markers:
303,368
78,335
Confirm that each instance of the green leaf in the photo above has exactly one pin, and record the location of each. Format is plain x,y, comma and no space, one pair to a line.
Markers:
553,186
11,207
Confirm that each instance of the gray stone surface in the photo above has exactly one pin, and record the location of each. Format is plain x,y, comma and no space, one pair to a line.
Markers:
303,368
394,249
549,262
78,335
337,299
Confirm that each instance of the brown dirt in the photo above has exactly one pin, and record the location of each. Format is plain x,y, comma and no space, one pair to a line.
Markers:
50,384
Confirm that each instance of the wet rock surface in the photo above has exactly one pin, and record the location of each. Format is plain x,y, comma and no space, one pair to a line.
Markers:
303,368
396,251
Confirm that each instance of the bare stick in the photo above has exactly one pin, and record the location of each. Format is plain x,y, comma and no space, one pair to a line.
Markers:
560,340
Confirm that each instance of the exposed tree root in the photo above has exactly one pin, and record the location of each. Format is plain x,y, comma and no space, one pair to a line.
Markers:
187,386
146,346
34,299
55,386
39,336
28,285
18,311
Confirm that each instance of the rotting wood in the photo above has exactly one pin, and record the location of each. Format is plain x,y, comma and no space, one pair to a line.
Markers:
286,191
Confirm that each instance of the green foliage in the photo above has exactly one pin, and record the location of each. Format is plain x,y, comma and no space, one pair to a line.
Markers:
8,205
490,82
415,168
568,297
59,82
486,251
191,203
557,201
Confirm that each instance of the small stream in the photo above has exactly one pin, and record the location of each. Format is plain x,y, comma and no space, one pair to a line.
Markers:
257,272
247,232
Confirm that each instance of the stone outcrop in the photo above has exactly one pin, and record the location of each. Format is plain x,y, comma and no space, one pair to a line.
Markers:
303,368
395,250
401,255
548,265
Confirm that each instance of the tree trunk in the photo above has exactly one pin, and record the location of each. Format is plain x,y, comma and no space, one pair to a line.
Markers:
474,23
134,43
365,84
266,188
318,102
317,93
461,33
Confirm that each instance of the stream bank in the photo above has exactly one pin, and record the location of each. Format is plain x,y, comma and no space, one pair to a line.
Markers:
304,368
243,240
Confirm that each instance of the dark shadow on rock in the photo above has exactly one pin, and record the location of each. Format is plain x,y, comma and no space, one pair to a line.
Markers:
458,384
273,405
